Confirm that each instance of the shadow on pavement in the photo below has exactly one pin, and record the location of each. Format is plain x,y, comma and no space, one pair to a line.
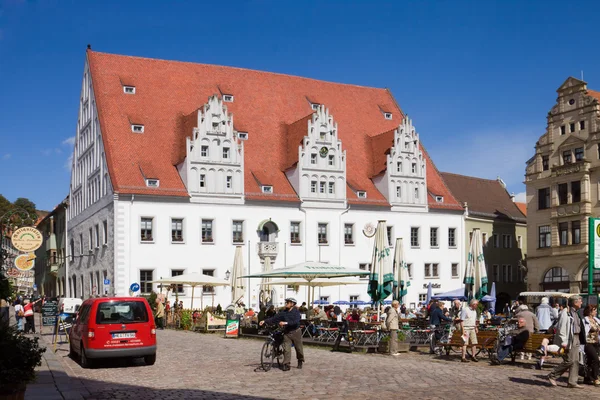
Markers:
47,387
535,382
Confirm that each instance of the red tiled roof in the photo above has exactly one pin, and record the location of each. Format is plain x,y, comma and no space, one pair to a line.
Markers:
594,94
522,207
485,197
272,108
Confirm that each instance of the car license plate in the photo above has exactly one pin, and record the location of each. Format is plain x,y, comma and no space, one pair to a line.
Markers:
126,335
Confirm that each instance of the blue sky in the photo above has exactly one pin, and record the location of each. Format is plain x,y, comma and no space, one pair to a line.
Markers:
477,77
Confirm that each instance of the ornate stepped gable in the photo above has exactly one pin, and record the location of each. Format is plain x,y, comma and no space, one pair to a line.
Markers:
404,180
320,173
214,162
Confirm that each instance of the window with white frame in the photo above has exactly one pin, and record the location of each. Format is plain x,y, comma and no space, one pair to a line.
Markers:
331,188
229,182
399,166
267,189
364,267
225,153
431,270
433,237
353,299
145,279
451,237
313,186
295,232
177,272
176,230
324,299
228,98
507,241
414,237
454,270
409,268
349,233
496,241
484,238
146,230
422,297
322,233
208,289
105,232
416,193
202,180
331,160
399,192
91,240
313,158
413,168
204,151
321,187
207,231
520,241
238,231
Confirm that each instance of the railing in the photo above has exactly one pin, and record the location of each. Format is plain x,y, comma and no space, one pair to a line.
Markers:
267,249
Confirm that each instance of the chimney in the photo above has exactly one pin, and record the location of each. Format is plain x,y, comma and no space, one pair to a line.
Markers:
512,197
501,182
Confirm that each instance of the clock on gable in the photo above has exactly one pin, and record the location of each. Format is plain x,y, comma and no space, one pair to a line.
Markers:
323,152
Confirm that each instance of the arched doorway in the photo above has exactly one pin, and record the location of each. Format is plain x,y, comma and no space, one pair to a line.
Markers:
267,231
557,280
584,280
502,299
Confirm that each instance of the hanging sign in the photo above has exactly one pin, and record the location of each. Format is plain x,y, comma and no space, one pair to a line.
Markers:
27,239
25,262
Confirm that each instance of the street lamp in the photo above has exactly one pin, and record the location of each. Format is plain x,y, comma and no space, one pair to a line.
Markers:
227,275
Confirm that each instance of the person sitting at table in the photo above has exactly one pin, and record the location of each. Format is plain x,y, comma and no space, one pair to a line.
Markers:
487,315
250,313
318,313
354,317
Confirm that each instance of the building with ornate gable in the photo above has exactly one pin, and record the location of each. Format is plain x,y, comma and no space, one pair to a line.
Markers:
563,190
175,164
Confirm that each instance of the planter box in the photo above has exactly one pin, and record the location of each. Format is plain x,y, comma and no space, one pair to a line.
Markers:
384,347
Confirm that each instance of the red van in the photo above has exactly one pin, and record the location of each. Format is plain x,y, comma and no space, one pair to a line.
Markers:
110,327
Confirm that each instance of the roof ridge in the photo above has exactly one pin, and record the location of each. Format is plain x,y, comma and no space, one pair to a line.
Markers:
470,177
242,69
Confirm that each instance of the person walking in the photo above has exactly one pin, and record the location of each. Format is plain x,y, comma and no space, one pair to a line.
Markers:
544,314
29,316
391,323
570,334
160,314
289,319
19,315
468,326
592,347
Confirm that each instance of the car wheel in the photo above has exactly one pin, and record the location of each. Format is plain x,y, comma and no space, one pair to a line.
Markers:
83,360
150,360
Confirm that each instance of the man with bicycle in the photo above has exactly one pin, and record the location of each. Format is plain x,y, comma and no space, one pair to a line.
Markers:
289,320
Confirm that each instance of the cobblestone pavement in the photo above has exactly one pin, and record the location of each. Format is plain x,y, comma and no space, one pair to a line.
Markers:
207,366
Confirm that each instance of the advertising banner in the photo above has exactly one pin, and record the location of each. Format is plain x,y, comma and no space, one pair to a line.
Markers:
49,313
232,329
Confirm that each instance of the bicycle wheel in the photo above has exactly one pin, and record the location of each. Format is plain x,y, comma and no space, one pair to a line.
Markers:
278,355
266,356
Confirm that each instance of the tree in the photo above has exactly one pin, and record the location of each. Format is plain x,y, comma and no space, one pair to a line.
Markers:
4,205
26,205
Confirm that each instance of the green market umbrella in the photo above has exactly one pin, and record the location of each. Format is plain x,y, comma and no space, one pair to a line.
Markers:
401,277
381,278
475,274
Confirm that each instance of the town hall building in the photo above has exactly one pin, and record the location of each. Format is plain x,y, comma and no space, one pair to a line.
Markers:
176,163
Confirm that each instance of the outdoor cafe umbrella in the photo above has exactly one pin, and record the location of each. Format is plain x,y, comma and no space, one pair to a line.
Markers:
401,278
456,294
309,271
237,286
265,292
491,298
341,303
475,274
429,294
193,279
381,278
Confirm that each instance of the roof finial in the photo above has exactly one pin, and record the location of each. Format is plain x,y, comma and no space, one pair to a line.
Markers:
89,46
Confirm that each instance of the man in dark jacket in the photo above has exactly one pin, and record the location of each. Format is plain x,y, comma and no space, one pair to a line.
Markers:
515,341
436,315
289,319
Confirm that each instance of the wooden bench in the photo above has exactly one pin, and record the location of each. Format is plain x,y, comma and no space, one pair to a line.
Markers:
486,340
533,343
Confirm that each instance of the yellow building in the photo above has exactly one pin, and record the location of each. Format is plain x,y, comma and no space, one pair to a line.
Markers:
563,191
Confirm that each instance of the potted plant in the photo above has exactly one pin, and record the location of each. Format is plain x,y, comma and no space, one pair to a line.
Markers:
403,346
20,356
384,345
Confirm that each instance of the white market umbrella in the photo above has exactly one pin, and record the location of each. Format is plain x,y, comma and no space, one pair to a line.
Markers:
265,283
401,277
318,282
237,286
475,274
193,279
309,271
381,278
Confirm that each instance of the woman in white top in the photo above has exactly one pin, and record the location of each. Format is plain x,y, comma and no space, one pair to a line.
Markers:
19,315
592,335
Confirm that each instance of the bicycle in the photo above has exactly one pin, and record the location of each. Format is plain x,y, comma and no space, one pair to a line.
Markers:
444,332
272,348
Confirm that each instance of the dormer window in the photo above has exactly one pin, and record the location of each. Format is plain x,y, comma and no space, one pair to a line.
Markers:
129,89
228,98
267,189
225,152
137,128
387,115
439,199
242,135
361,194
152,182
314,106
